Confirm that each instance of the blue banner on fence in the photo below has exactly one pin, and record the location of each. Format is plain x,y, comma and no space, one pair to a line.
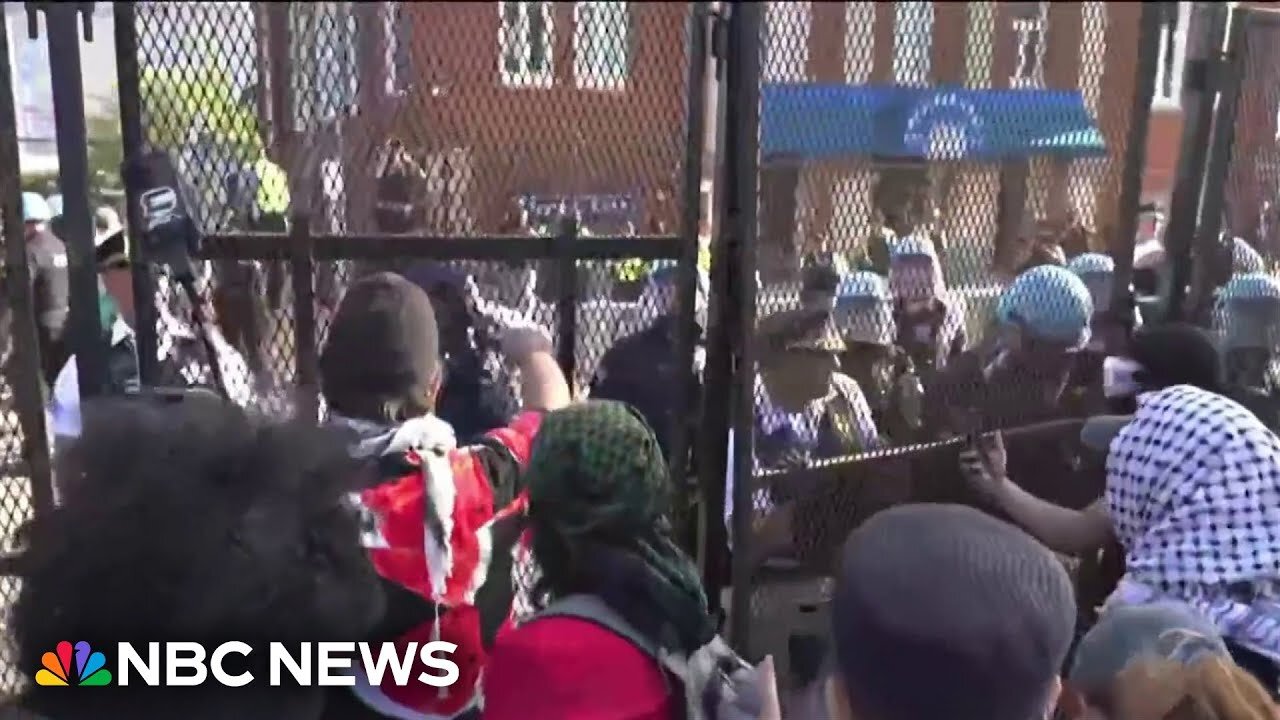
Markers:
816,122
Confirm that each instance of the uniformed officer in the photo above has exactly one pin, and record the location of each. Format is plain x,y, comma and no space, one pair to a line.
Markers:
47,258
1247,318
1042,319
864,317
806,410
181,353
642,369
1109,331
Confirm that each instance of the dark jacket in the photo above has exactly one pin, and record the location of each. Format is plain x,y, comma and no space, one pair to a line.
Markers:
642,370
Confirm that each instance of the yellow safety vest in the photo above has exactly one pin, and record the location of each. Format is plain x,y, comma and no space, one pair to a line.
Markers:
273,187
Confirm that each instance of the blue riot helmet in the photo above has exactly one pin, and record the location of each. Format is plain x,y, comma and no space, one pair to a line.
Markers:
1247,312
55,206
1098,272
1244,259
864,309
35,209
1048,304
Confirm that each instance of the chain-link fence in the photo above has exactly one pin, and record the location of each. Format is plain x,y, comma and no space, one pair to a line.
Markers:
916,162
25,476
398,133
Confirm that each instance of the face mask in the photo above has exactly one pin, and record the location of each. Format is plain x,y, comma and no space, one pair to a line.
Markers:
1118,377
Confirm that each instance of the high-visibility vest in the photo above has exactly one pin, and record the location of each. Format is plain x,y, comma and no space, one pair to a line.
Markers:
273,187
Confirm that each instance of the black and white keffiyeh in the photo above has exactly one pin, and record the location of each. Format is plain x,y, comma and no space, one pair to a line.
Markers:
1193,492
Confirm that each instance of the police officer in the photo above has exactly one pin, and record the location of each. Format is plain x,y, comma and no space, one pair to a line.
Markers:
182,357
1109,331
642,369
1042,319
806,410
1247,318
47,258
864,317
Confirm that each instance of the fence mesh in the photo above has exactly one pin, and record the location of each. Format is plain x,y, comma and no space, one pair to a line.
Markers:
917,161
470,120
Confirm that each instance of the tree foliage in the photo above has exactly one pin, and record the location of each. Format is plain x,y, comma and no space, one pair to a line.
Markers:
182,103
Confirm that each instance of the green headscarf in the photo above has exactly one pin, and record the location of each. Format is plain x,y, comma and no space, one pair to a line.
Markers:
597,482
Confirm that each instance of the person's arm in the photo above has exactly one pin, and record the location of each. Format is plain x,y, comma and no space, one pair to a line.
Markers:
542,383
1071,532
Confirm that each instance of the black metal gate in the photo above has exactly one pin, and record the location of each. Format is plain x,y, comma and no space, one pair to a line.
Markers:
978,127
570,141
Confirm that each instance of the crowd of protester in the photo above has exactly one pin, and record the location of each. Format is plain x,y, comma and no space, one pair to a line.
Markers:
458,491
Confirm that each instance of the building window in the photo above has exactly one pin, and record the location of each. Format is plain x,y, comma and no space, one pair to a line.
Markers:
912,43
601,45
526,43
397,33
1030,36
1175,19
786,42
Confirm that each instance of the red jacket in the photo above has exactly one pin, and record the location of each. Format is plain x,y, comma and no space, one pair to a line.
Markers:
433,533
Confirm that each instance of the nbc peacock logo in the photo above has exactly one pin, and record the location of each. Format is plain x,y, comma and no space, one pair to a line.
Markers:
90,667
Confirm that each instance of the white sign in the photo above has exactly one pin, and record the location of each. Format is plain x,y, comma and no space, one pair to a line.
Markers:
320,664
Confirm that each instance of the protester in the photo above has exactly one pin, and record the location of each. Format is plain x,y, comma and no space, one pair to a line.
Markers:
1159,662
396,177
440,516
1192,495
643,370
599,503
47,259
942,612
930,320
476,396
192,521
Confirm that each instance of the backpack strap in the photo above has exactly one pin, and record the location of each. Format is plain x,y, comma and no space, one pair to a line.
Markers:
696,673
592,609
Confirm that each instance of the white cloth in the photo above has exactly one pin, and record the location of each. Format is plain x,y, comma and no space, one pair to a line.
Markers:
1193,492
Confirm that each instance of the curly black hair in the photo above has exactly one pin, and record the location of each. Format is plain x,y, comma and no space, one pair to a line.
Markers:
194,521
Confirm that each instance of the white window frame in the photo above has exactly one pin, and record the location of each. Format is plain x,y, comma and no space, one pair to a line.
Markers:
526,76
1173,100
601,45
393,24
1028,70
787,26
913,23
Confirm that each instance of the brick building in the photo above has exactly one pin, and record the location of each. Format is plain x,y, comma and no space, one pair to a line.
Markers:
1089,46
502,101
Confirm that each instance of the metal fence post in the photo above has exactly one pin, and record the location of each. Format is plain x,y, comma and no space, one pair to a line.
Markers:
132,139
85,326
302,269
715,419
24,369
742,178
1199,91
1135,159
687,287
1208,272
567,296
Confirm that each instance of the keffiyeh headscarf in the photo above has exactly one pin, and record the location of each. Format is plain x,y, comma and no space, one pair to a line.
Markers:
1193,491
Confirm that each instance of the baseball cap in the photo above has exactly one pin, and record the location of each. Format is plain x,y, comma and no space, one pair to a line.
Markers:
382,341
1164,631
973,605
